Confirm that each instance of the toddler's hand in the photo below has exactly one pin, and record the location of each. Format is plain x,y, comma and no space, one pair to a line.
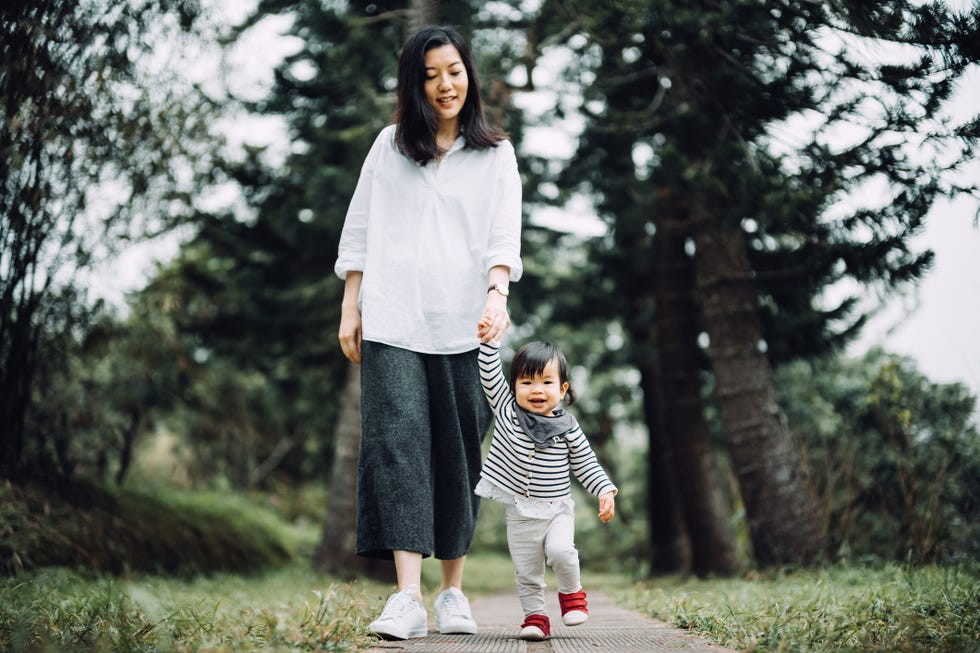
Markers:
607,506
483,328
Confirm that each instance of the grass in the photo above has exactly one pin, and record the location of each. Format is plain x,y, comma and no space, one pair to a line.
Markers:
843,608
245,605
289,609
292,609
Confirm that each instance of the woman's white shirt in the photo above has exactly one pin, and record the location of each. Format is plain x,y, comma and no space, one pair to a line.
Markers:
425,238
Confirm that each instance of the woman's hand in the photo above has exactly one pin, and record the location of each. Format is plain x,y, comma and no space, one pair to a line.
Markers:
350,318
350,334
495,318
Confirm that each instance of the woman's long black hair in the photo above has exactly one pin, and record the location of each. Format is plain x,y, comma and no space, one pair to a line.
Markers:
416,121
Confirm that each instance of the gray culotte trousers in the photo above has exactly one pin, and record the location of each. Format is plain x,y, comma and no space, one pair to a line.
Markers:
423,418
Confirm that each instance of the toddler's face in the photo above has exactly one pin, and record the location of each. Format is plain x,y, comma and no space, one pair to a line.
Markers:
542,392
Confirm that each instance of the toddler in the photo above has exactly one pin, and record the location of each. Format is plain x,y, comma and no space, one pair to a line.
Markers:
535,444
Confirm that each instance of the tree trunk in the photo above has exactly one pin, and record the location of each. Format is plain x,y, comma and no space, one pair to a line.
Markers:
421,13
670,549
706,516
336,552
18,356
129,438
783,515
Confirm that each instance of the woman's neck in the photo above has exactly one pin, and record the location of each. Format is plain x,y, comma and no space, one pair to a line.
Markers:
447,134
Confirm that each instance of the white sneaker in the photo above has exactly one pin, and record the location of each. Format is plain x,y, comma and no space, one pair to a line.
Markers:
453,613
404,617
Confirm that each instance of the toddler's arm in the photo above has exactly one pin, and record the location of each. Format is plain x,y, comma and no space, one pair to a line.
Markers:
492,375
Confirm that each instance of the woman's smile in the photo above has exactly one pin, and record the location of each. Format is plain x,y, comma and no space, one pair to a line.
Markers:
446,82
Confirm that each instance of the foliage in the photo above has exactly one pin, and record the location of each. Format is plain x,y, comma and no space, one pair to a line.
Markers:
96,143
685,107
116,377
232,344
689,101
896,457
255,299
163,531
841,608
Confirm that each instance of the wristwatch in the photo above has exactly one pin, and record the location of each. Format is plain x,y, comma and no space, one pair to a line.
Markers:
501,289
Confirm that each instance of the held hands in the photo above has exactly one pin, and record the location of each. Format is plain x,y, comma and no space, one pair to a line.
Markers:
495,318
607,506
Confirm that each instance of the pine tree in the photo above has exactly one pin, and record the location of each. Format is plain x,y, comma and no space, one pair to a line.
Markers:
681,101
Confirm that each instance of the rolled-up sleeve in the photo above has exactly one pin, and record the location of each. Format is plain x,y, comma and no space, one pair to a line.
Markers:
352,251
504,247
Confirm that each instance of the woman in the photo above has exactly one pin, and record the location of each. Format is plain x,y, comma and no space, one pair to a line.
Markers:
430,244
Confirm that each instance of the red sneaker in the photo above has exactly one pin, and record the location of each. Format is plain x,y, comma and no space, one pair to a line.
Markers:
574,608
536,627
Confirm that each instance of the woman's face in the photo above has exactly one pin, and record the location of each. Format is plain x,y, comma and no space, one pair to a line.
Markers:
446,82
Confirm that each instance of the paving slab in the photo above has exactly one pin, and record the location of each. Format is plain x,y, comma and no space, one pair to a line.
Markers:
610,629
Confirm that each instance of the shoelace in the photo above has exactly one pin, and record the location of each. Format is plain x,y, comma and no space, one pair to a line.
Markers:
454,604
400,605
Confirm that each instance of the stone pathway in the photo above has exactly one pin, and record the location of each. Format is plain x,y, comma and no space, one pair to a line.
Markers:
610,629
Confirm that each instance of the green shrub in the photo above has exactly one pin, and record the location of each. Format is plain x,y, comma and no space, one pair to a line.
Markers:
86,526
895,457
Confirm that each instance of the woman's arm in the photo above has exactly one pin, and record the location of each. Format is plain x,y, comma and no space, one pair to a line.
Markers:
495,319
350,317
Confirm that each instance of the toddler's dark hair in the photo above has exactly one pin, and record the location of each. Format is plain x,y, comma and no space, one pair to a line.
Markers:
532,358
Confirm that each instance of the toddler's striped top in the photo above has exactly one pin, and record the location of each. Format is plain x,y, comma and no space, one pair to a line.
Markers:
515,465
